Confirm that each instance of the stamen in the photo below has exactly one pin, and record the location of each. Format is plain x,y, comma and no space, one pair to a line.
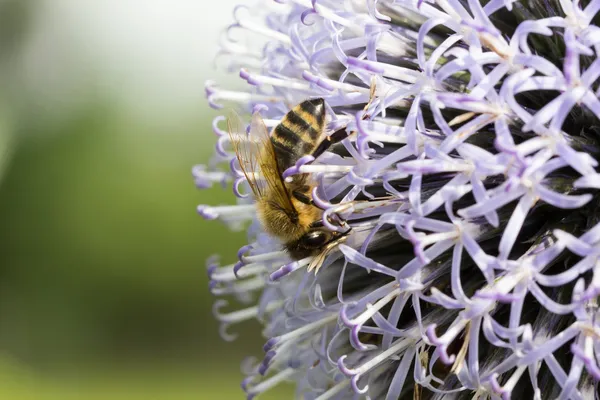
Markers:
332,84
300,331
370,311
239,212
227,274
258,80
326,13
338,388
216,95
397,347
260,29
289,268
239,287
271,382
259,258
237,316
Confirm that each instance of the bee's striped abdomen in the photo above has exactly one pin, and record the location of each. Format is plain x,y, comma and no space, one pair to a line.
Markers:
298,132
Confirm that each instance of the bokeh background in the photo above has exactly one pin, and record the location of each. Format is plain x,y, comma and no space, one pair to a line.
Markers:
103,288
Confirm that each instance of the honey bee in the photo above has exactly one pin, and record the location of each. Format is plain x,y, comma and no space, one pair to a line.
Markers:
285,207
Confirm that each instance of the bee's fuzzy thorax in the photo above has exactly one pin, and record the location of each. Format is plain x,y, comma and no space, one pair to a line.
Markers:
281,225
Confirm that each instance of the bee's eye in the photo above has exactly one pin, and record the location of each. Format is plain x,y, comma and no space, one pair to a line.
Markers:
315,239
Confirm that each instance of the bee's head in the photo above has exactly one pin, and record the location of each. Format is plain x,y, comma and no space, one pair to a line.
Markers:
310,243
316,238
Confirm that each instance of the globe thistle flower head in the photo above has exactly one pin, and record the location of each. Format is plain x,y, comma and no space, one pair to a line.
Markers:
469,181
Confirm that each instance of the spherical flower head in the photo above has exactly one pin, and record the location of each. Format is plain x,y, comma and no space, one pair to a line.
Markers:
469,181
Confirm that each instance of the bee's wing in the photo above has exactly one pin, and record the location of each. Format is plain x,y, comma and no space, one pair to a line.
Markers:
247,153
258,161
267,165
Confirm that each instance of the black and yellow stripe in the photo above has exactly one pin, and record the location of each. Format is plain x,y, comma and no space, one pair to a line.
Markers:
298,132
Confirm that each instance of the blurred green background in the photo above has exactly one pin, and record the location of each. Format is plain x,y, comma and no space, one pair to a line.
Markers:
103,288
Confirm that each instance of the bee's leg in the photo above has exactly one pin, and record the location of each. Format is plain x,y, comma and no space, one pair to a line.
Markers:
334,138
319,224
342,134
329,141
333,219
339,222
343,234
303,198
